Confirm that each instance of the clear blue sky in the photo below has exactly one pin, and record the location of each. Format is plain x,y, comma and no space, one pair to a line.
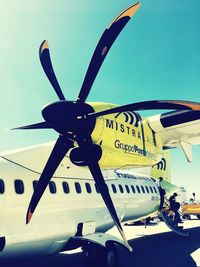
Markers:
155,57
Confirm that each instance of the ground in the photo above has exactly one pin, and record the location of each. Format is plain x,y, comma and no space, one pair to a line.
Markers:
154,246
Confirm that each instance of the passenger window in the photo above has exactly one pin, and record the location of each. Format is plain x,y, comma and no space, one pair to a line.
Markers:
52,187
142,187
88,188
97,189
155,190
121,188
78,187
114,188
127,189
138,189
2,186
19,187
151,189
65,187
133,189
147,189
35,185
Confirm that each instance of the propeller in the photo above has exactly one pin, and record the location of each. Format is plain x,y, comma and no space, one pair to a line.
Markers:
75,120
60,149
106,41
35,126
48,68
149,105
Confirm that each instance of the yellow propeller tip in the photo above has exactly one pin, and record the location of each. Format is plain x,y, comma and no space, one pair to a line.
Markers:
129,12
44,46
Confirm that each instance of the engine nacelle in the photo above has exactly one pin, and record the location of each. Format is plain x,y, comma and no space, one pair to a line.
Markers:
82,156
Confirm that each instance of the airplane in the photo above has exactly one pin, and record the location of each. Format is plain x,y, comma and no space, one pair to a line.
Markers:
99,173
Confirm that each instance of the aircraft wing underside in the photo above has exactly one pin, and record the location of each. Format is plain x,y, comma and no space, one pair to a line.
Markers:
178,129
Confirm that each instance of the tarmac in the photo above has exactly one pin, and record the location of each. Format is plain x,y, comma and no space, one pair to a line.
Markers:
153,246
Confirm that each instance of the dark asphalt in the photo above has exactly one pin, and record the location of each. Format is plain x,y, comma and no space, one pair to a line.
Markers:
165,249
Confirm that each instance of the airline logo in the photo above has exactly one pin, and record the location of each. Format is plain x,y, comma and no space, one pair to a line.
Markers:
130,117
126,148
161,165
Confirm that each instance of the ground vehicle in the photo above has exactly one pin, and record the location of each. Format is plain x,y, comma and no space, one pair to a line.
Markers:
191,209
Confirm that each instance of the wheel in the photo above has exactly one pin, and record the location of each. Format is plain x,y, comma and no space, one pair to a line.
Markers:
95,255
148,220
111,256
90,254
186,217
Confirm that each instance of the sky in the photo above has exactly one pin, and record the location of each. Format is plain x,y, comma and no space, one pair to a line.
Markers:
155,57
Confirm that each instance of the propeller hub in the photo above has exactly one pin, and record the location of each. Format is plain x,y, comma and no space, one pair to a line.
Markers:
68,117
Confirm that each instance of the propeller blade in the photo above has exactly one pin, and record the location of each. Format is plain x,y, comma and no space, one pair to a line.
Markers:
48,68
59,151
102,48
149,105
103,189
39,125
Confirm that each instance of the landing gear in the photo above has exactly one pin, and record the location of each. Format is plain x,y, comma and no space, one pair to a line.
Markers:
111,256
186,217
96,255
90,254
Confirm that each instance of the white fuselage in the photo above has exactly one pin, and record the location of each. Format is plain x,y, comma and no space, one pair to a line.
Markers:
73,200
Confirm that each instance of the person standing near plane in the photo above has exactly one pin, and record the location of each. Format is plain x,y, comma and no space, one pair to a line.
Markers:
175,206
162,192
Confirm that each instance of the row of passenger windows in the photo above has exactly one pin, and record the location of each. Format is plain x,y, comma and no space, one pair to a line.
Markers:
19,188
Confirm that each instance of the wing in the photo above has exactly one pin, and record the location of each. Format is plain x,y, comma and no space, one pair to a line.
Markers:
178,129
